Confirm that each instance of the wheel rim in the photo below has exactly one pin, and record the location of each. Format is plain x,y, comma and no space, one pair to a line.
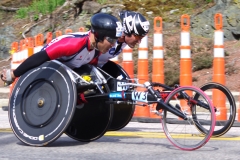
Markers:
40,102
183,133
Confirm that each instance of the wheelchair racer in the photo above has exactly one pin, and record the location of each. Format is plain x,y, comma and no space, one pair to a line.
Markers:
75,49
135,28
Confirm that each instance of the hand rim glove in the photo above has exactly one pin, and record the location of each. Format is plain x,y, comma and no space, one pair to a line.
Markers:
9,80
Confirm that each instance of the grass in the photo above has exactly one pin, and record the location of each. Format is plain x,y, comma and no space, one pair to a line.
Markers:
39,7
162,8
172,76
102,1
202,61
1,14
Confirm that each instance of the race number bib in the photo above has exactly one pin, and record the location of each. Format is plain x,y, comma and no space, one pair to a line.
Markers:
140,96
120,87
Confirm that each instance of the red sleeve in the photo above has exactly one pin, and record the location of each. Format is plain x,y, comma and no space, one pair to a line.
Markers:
94,61
66,46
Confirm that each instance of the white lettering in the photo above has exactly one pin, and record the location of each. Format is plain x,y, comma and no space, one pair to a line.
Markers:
56,128
140,96
120,87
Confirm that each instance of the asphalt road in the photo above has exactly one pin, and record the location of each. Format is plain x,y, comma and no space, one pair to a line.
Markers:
140,141
116,147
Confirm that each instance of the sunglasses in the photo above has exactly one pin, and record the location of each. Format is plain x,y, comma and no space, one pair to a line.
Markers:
138,37
111,40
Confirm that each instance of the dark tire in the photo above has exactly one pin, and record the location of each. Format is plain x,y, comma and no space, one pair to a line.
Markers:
223,126
93,120
42,104
123,113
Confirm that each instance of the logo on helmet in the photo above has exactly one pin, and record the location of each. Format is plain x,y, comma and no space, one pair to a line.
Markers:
145,25
127,24
135,23
119,29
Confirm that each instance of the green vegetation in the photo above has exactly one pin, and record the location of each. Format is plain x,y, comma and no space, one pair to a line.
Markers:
209,1
202,61
171,77
231,69
22,13
39,7
1,15
167,9
102,1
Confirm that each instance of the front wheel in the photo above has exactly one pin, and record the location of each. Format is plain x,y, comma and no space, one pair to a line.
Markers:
224,102
199,111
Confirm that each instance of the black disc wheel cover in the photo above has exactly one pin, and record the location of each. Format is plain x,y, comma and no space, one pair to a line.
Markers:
90,122
42,104
123,113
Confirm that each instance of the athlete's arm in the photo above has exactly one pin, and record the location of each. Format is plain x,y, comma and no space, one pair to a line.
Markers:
31,62
57,48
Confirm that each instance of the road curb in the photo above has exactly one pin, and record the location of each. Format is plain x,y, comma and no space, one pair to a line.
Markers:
4,89
3,102
6,130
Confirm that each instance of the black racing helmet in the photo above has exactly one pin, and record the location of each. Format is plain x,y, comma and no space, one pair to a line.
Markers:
105,25
134,23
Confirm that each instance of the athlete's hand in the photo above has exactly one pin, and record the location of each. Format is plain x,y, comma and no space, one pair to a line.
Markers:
7,76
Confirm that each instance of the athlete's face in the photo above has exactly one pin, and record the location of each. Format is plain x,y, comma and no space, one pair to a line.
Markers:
133,40
106,44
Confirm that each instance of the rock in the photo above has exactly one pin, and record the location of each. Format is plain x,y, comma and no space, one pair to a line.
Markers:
237,30
77,1
91,7
6,38
230,20
228,35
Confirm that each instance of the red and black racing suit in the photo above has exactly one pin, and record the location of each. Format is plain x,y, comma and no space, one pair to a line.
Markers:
72,50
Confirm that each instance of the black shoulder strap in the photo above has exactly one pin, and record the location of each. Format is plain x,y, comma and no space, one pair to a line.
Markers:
118,47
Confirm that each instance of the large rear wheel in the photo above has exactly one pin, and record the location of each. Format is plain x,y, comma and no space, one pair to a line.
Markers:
91,119
42,104
123,113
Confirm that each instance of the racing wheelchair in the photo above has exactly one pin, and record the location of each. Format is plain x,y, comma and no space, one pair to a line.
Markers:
85,103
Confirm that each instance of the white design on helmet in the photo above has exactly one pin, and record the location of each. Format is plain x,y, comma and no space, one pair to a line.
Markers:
119,29
145,25
127,21
134,24
129,24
